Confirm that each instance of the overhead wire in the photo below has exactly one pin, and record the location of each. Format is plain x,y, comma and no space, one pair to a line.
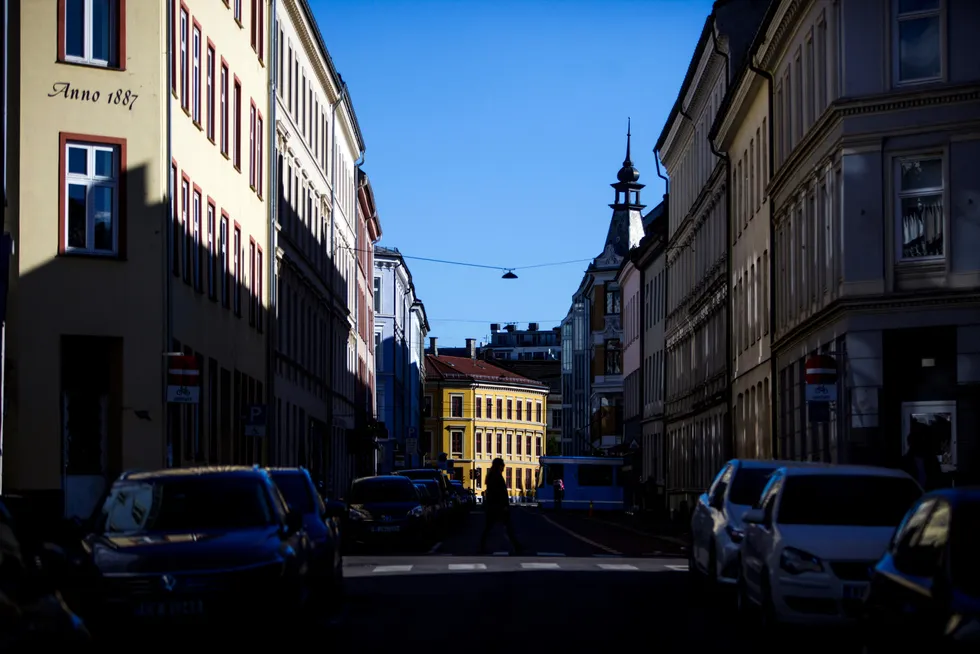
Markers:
468,264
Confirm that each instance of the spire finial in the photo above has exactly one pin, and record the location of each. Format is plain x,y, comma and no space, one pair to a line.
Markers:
629,126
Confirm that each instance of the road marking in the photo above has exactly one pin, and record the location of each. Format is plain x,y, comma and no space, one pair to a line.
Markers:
467,566
552,554
617,566
393,568
501,553
606,556
579,537
435,548
540,566
677,568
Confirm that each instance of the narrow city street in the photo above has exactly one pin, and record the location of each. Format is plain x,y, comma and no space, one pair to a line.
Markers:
563,592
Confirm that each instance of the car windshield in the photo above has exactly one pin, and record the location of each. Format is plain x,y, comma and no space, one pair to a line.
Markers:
965,547
748,484
846,500
295,489
388,490
184,504
417,474
427,490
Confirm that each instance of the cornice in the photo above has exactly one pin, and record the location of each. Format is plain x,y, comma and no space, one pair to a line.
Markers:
731,123
781,30
304,33
699,89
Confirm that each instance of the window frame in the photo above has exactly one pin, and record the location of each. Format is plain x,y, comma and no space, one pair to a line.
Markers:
452,408
117,15
212,263
898,194
224,235
237,134
197,63
896,18
93,144
211,69
197,199
236,255
223,90
184,36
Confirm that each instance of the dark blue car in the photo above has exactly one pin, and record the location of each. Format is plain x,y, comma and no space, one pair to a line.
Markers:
386,510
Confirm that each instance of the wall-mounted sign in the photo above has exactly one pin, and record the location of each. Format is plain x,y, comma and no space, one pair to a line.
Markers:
120,97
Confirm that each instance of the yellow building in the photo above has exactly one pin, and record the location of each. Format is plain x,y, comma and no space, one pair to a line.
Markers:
475,412
137,193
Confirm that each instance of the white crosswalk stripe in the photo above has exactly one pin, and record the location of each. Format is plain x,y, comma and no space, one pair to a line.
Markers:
393,568
677,568
541,566
434,566
467,566
617,566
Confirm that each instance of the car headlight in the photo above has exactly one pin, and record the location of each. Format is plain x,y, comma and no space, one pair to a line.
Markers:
416,512
796,561
736,535
356,514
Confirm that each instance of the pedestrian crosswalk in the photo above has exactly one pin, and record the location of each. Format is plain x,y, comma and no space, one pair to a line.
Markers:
361,567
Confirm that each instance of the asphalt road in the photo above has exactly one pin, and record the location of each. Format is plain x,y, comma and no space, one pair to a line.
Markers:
567,593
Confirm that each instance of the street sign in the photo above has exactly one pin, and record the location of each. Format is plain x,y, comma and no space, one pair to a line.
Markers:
183,379
411,445
255,420
821,378
413,432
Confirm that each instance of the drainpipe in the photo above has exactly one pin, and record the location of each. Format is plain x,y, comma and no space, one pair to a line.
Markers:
773,369
168,293
271,324
729,368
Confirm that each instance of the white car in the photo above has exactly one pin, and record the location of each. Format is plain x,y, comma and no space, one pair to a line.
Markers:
716,524
814,538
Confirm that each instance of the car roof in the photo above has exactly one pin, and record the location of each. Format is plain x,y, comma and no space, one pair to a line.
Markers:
837,470
300,472
772,464
197,472
958,494
381,478
433,470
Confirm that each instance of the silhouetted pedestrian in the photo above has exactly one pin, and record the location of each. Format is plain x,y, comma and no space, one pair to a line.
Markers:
496,504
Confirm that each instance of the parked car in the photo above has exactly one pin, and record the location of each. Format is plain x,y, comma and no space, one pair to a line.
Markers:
813,538
198,546
386,510
926,587
716,523
431,474
464,495
319,522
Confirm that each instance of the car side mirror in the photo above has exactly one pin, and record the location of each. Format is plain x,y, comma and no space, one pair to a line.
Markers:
334,510
294,521
754,517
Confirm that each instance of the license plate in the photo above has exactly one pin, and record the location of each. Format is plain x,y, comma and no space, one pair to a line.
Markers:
170,609
387,529
855,591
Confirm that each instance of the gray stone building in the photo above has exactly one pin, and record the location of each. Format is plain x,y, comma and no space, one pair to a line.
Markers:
875,138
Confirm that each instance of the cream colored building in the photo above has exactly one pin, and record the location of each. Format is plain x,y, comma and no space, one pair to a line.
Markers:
742,130
137,189
317,144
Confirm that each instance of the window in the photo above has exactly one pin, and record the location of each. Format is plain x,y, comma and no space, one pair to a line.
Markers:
251,142
252,297
210,92
529,410
196,243
223,259
612,302
238,125
237,263
518,443
510,443
519,479
224,109
846,500
527,478
520,410
479,443
920,218
91,33
537,446
918,41
489,408
91,197
510,477
500,409
378,351
175,221
238,11
510,409
253,24
595,475
184,81
196,79
456,406
259,296
212,259
614,357
500,444
528,443
456,443
259,131
427,407
185,226
478,405
537,413
377,295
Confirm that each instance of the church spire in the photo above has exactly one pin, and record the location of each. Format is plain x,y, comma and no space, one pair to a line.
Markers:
628,174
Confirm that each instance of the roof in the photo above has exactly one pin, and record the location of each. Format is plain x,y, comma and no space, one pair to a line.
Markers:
831,470
447,368
546,371
692,68
772,464
380,478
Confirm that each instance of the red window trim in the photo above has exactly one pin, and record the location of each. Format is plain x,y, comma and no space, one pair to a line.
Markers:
261,287
120,46
261,31
226,113
63,139
260,154
236,274
253,24
185,102
253,138
236,99
190,71
253,307
212,124
173,48
195,245
184,250
225,218
174,231
213,247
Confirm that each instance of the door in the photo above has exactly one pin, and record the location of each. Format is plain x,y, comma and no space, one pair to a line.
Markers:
85,442
937,421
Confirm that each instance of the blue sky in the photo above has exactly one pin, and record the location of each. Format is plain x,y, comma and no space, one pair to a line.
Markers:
493,130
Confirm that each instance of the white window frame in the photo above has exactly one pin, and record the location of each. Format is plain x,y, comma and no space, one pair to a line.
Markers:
223,93
185,202
223,254
238,10
259,129
939,12
237,272
88,28
379,359
212,272
196,243
185,21
210,92
91,181
462,398
898,194
251,146
196,75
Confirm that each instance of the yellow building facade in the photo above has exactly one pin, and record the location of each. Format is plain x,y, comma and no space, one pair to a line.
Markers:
475,412
137,179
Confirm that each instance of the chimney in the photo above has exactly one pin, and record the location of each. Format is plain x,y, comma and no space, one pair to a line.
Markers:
471,347
434,346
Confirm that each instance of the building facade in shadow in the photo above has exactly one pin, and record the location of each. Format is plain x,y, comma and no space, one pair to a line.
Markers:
400,330
138,206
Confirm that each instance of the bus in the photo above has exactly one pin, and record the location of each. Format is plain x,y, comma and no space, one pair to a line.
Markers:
590,482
